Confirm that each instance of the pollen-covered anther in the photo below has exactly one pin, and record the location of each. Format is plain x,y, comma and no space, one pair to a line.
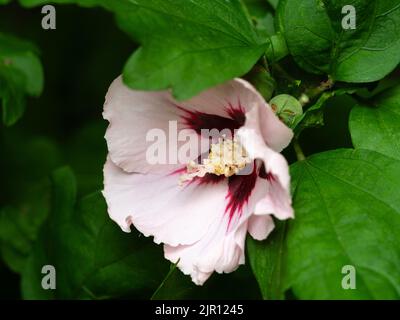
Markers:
227,157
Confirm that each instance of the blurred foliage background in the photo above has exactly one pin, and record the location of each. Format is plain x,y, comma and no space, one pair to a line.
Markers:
64,125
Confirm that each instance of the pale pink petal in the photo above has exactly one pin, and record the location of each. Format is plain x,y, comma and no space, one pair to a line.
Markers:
275,132
260,226
239,92
132,116
219,251
222,247
278,200
264,122
235,93
197,222
159,207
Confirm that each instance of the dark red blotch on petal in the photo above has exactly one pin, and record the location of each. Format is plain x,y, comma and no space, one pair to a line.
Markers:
240,188
196,120
210,179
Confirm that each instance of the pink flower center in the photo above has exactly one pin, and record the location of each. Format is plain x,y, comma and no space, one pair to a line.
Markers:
240,187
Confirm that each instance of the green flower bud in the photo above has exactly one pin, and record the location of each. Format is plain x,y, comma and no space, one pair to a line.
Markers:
287,108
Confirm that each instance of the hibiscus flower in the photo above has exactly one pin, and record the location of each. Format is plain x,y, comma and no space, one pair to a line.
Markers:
200,210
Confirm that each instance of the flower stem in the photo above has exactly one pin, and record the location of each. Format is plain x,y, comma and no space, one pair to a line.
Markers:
315,92
169,274
299,152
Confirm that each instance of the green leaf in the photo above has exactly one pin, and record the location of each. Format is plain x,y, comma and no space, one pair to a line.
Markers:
314,115
186,45
21,74
262,17
12,95
273,3
266,261
277,48
347,213
19,227
93,258
85,153
27,193
262,80
83,3
377,128
174,286
14,245
177,286
317,41
189,46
